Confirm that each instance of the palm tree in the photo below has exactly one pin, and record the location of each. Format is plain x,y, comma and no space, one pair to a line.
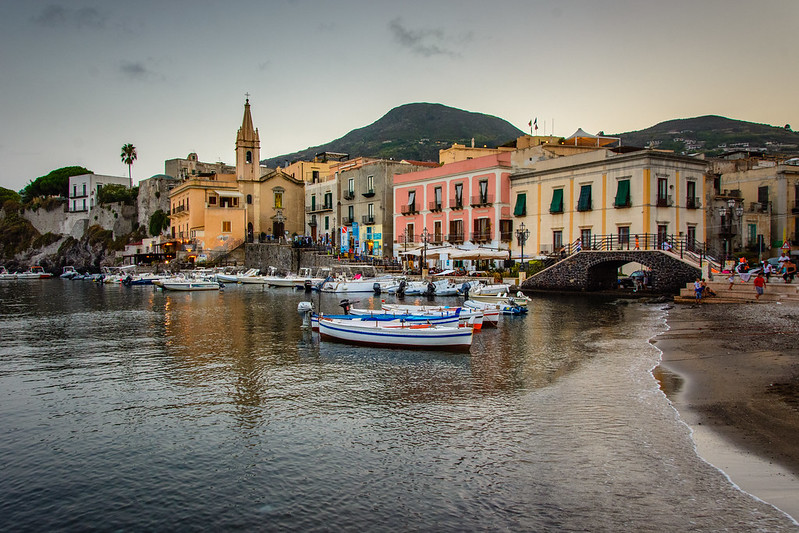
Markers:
128,157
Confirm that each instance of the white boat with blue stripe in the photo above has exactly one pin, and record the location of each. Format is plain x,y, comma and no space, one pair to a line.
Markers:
404,336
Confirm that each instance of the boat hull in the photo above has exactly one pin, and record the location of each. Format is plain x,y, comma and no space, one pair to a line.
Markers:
190,286
422,337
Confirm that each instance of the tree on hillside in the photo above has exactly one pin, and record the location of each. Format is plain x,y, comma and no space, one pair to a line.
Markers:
128,157
56,183
8,194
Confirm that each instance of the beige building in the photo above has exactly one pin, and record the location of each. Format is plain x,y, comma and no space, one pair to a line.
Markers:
612,196
190,167
755,199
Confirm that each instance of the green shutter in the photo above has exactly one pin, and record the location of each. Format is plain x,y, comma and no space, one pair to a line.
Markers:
623,194
584,204
557,201
521,205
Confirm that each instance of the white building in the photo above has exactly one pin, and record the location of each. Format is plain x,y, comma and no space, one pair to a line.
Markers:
83,190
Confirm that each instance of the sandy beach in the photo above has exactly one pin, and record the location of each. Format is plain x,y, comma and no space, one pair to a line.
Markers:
732,372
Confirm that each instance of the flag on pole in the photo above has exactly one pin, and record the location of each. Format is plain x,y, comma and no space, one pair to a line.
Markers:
536,123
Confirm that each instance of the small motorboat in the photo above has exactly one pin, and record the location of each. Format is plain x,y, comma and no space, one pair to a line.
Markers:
503,298
69,272
35,272
6,275
404,336
173,284
387,319
504,308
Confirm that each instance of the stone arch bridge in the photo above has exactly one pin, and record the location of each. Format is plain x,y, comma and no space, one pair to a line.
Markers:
593,270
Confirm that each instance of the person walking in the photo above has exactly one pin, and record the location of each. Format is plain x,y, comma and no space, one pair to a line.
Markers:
637,246
731,279
760,284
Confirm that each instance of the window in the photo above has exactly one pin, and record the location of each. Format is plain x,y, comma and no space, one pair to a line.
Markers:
328,200
585,238
663,234
505,230
74,191
370,210
327,223
762,195
247,159
624,235
315,176
482,230
691,201
437,194
84,190
484,192
521,205
456,231
458,195
409,233
557,240
227,226
84,204
691,236
663,192
411,201
212,200
752,234
351,213
351,186
622,194
584,203
313,202
249,199
278,200
370,183
557,201
437,231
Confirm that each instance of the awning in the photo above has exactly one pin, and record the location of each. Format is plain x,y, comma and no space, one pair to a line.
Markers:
521,205
479,253
228,194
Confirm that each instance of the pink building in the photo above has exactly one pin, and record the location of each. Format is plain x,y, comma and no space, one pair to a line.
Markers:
467,202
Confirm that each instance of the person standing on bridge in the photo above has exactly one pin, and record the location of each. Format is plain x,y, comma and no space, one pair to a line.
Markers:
637,245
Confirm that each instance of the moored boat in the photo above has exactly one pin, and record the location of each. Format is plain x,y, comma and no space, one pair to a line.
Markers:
387,319
68,272
173,284
502,298
35,272
418,336
6,275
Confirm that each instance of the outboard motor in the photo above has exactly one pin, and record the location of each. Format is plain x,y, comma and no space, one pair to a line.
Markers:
376,287
431,289
305,309
401,288
308,285
345,304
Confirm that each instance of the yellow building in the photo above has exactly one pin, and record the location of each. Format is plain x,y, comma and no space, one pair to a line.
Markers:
212,212
611,195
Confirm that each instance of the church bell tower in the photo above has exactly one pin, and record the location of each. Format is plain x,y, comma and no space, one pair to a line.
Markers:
248,148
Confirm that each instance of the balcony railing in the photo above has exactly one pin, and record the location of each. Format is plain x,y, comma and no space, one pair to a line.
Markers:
349,195
368,219
692,203
178,209
456,205
347,221
506,236
312,222
481,236
482,200
759,207
369,192
664,201
434,206
455,238
318,208
409,209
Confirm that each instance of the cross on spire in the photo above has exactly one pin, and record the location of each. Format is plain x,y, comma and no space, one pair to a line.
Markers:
248,97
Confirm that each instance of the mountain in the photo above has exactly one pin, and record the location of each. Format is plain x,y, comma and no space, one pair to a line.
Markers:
413,131
712,134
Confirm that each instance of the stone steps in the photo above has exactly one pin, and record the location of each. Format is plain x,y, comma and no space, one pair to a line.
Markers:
776,291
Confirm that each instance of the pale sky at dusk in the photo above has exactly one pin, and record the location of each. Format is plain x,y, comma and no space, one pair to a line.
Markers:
79,79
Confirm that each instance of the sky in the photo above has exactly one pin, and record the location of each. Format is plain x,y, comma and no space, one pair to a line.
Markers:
79,79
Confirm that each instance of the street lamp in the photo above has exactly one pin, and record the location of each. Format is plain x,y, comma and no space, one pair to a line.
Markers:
522,235
425,235
733,209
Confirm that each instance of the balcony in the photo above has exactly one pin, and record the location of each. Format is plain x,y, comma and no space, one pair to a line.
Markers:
349,195
368,219
434,206
347,221
318,208
369,192
437,238
409,209
456,205
506,236
481,236
178,209
664,201
692,203
482,200
312,222
455,238
759,207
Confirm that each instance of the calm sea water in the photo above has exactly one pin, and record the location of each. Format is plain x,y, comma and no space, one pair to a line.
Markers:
131,409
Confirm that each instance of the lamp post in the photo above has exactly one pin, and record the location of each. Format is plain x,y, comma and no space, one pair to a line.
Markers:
425,235
522,235
733,209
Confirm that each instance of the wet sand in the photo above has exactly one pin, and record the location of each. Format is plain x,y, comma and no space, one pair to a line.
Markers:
732,372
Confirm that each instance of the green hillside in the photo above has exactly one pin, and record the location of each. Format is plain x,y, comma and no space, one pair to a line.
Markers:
413,131
712,134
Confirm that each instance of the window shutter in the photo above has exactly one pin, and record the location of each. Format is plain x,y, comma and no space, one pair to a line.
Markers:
557,201
623,194
521,205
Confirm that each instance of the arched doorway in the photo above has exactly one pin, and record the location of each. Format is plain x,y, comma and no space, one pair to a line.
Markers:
250,232
278,229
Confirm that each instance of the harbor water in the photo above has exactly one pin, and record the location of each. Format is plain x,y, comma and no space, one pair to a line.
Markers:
131,409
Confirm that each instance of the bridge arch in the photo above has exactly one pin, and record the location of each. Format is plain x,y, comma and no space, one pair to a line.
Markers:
592,270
